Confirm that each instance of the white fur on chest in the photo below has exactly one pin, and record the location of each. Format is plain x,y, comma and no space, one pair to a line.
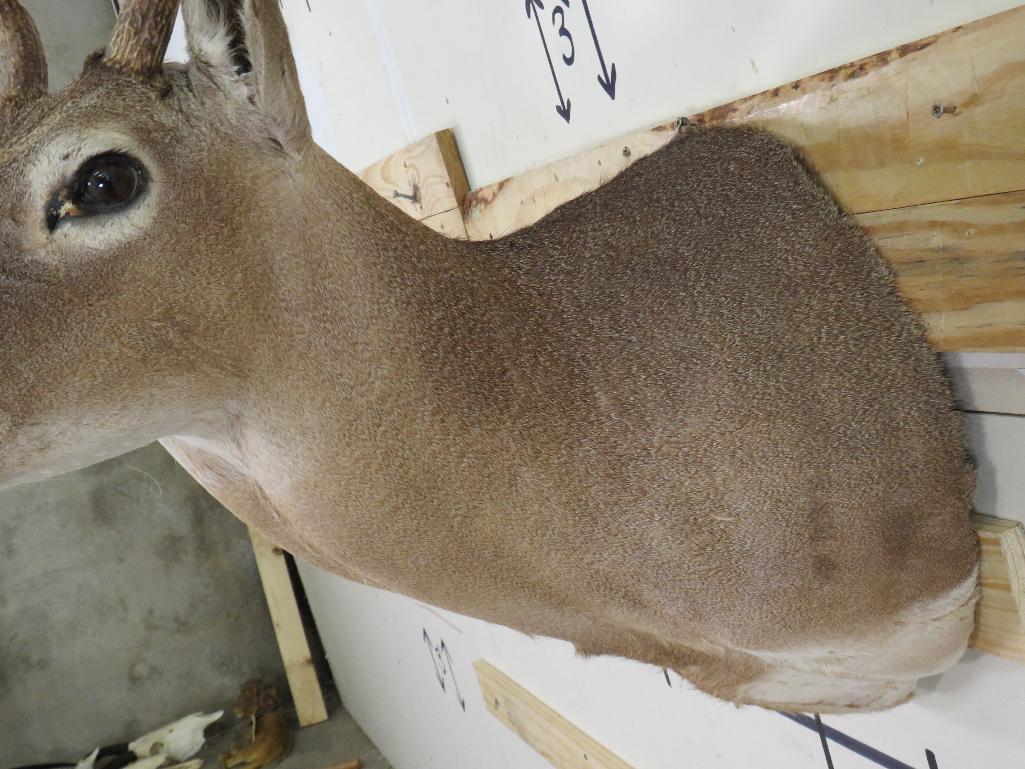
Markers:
875,672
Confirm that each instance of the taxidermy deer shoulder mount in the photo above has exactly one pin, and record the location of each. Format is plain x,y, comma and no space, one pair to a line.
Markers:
686,419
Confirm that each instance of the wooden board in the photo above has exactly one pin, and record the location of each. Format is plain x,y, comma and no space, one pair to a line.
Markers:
937,119
1000,617
563,745
518,202
961,264
288,627
424,179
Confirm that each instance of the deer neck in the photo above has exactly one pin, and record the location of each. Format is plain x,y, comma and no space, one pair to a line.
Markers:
346,281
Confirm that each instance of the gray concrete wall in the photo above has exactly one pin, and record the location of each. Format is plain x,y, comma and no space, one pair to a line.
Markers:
128,596
71,30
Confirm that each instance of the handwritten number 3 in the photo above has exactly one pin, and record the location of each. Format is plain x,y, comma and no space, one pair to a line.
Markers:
563,32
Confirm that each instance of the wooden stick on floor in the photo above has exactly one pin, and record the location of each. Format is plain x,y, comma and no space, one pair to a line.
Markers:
288,627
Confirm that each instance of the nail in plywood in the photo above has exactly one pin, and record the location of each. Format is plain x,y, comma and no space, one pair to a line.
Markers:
288,627
424,179
562,744
1000,616
961,264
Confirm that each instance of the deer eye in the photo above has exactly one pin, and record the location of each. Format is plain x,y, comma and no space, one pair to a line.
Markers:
103,184
106,182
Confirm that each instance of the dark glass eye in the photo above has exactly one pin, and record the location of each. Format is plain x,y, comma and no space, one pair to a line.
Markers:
107,182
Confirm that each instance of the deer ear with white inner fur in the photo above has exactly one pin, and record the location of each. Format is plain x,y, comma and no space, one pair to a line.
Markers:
245,42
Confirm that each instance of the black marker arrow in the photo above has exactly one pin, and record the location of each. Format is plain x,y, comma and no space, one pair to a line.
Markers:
564,105
607,78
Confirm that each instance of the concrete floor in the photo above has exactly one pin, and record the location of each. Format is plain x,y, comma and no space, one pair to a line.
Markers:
336,741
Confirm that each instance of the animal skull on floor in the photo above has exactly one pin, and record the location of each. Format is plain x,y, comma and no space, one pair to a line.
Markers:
685,419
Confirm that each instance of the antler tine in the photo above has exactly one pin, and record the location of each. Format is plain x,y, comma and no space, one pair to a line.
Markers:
22,60
141,36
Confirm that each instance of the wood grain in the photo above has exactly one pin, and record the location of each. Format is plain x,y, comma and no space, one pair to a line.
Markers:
962,266
937,119
562,744
1000,615
424,179
288,627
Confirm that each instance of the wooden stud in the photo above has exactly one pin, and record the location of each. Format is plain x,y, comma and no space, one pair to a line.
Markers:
561,743
454,168
424,179
288,627
1000,616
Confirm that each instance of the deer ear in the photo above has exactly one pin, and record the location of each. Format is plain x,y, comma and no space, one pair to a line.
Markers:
247,41
274,74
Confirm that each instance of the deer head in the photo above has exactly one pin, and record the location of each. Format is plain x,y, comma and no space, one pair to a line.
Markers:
105,343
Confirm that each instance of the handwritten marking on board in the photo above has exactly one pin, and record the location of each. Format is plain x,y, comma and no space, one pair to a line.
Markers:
824,741
607,77
560,12
564,106
442,659
829,734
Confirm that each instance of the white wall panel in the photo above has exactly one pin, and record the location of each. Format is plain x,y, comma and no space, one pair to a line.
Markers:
479,66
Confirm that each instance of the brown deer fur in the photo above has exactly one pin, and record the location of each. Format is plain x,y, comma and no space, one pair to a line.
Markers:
685,419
